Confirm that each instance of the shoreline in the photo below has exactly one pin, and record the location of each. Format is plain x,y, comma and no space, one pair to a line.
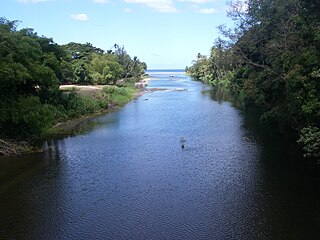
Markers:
74,126
166,73
71,126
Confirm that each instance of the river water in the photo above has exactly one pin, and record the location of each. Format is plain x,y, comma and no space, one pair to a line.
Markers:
128,177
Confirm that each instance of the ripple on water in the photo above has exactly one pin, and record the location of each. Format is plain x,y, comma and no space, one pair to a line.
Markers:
129,178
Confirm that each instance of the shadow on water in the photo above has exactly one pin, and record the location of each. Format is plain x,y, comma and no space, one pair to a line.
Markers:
221,95
276,142
128,178
18,193
289,183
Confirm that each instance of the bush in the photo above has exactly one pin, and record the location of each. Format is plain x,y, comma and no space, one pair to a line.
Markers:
27,117
119,95
75,106
310,140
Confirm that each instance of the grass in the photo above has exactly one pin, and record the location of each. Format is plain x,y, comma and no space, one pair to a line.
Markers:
119,95
79,107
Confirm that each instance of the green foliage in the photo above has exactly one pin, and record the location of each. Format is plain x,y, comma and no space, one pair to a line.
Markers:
310,140
99,62
217,69
29,64
92,65
67,73
119,95
26,117
76,106
81,51
273,57
81,73
131,67
105,69
33,67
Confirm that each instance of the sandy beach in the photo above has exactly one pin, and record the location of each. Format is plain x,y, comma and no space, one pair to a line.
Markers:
95,90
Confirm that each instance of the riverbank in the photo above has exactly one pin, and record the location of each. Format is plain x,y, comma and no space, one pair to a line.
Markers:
91,101
11,147
130,168
96,92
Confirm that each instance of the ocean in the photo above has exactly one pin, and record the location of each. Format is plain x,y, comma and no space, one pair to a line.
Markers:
165,71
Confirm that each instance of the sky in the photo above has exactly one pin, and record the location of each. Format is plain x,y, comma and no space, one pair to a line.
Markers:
166,34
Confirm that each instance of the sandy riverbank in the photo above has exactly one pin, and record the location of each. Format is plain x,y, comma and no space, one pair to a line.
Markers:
72,126
84,90
94,91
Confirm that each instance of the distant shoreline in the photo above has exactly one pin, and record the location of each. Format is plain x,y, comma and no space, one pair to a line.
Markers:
166,72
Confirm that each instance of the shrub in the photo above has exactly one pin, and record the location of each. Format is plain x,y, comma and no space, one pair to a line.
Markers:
27,117
310,140
119,95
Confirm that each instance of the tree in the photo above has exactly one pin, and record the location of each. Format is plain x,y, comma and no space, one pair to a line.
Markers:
273,53
28,80
112,72
131,67
33,67
105,69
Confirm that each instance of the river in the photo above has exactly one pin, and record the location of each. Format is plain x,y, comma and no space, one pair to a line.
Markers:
128,177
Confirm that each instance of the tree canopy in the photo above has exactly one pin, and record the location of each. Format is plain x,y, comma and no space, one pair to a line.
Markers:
31,69
273,56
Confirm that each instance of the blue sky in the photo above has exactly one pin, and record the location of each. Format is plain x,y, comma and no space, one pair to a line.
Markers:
162,33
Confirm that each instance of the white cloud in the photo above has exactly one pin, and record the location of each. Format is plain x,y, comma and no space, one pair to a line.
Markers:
207,10
157,5
80,17
197,1
32,1
128,10
100,1
169,6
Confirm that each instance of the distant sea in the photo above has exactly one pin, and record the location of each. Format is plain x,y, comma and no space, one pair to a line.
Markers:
164,71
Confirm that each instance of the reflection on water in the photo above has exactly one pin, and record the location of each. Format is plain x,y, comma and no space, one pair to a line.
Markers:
224,95
128,178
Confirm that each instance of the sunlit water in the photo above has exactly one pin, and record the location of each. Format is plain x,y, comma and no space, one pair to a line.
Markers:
129,178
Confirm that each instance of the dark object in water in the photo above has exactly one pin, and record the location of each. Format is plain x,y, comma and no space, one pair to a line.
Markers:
182,142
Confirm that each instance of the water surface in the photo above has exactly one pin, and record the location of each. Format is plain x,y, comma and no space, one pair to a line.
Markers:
129,178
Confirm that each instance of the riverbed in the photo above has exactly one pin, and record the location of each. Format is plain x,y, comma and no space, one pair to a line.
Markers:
128,177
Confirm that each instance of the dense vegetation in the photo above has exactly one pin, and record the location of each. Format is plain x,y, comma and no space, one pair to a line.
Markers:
33,67
272,56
